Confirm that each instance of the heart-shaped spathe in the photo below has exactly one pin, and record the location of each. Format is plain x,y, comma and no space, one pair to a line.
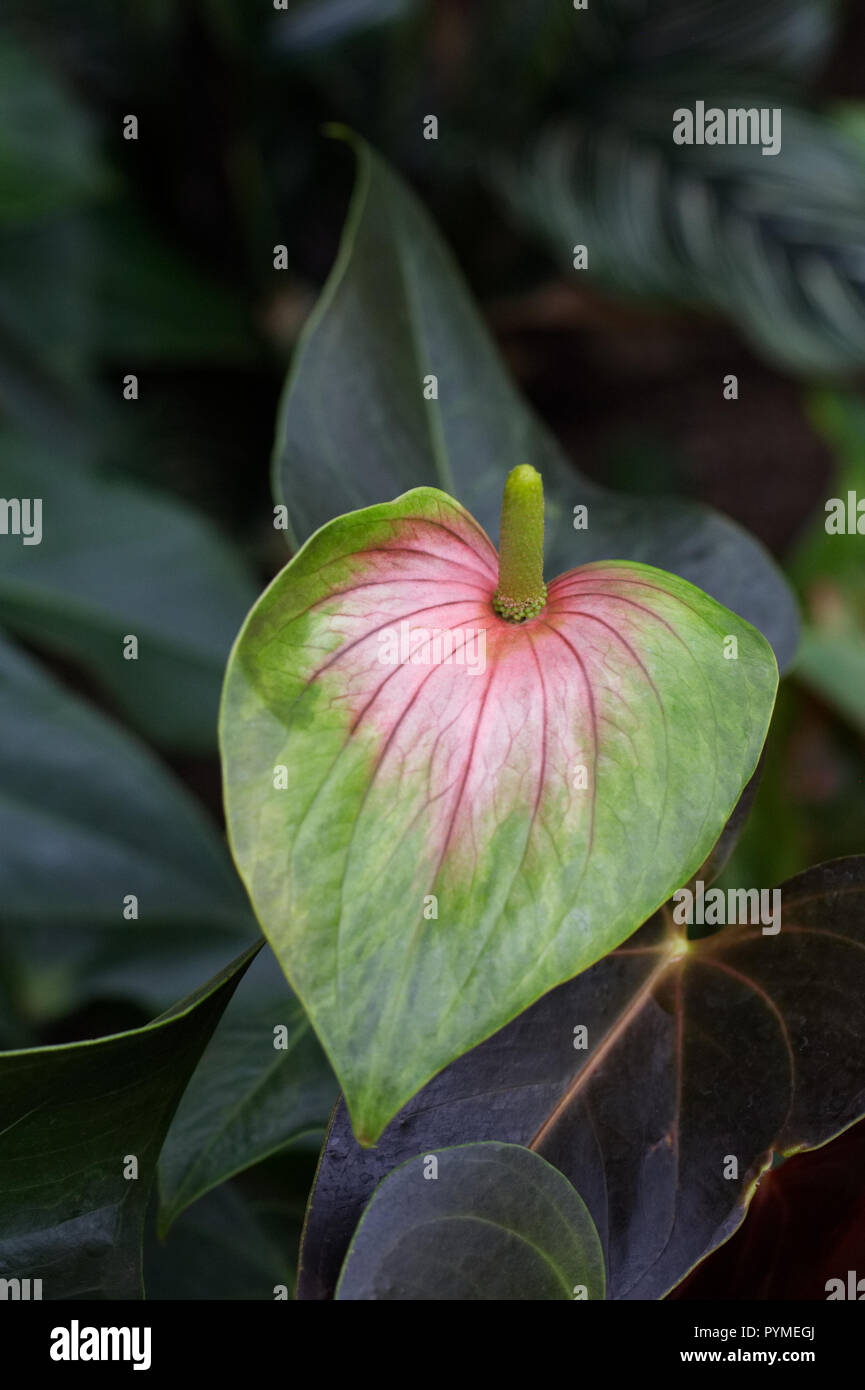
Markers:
431,843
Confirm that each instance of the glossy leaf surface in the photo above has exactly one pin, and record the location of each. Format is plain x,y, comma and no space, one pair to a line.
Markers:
73,1121
480,1222
745,1045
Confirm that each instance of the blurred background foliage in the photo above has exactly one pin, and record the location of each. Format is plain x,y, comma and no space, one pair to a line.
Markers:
155,257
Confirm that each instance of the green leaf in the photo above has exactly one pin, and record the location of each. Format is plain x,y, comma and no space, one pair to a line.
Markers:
45,345
49,174
113,561
832,664
839,416
744,1046
167,311
71,1119
355,428
775,243
547,57
47,154
255,1091
87,817
828,569
776,36
225,1248
463,830
490,1222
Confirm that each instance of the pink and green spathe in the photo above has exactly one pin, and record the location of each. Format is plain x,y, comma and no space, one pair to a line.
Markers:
431,844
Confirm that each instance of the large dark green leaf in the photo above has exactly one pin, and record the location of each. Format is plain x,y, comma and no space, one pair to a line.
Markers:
114,561
479,1222
744,1046
249,1098
88,817
355,428
71,1120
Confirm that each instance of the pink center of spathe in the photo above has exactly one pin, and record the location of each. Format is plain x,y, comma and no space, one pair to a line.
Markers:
483,716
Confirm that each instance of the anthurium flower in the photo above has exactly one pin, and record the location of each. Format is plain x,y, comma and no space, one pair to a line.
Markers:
450,788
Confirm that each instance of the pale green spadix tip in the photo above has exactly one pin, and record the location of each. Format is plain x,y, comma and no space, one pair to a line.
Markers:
521,592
